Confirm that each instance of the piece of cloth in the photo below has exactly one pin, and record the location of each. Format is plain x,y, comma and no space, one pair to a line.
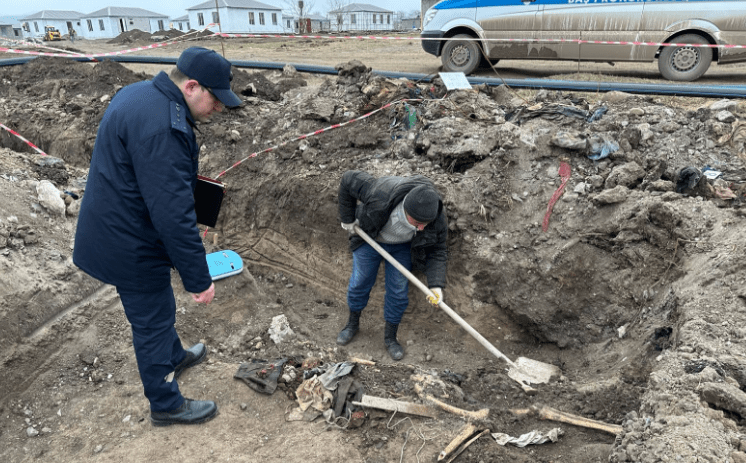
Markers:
211,70
137,217
371,200
261,375
333,374
312,394
157,346
422,203
365,263
397,229
530,438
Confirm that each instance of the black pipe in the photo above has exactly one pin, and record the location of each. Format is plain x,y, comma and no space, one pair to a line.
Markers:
670,88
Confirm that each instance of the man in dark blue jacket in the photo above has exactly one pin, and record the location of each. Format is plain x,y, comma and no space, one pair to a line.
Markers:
137,218
405,215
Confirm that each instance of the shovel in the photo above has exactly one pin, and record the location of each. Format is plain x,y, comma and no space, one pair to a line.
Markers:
524,370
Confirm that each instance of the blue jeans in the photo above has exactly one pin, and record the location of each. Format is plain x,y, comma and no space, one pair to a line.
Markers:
365,263
157,346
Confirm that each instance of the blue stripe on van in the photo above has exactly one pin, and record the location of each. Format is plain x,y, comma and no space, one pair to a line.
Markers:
453,4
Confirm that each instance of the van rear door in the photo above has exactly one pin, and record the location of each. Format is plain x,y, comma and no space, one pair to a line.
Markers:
508,23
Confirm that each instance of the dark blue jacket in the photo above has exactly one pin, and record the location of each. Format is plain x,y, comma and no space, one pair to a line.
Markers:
372,200
137,218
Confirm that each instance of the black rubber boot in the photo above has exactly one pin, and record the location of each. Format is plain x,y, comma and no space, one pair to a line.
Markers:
350,330
392,345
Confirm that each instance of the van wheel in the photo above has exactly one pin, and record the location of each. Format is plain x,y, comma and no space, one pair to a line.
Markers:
461,55
685,63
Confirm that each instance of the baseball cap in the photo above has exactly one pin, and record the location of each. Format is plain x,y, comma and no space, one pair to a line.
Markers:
211,70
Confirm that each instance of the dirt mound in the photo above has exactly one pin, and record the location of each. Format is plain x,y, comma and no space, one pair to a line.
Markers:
634,289
128,37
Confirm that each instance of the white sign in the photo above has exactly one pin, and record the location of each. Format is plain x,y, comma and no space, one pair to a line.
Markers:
454,80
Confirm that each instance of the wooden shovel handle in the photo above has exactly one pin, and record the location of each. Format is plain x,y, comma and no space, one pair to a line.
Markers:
484,342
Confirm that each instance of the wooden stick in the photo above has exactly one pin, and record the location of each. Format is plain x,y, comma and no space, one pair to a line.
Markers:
466,445
548,413
396,406
477,415
362,361
466,432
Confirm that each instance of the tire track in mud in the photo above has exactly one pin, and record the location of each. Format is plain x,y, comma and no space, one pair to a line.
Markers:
40,349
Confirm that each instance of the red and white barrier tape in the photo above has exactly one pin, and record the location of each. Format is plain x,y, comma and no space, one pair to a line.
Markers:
183,38
564,172
13,132
317,132
579,41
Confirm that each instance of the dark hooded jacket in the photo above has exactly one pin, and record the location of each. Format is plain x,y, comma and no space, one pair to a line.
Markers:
137,218
372,200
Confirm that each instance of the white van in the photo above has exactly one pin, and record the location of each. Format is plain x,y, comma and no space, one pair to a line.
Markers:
461,30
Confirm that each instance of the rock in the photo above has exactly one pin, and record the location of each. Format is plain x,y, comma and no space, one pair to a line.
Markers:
569,139
637,112
49,198
31,432
628,175
279,329
725,116
616,96
615,195
723,105
724,396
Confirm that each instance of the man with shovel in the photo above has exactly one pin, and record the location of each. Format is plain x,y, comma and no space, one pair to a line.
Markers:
406,217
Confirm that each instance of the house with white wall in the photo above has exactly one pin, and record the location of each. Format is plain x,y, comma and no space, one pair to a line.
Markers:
237,16
33,25
111,21
361,17
181,23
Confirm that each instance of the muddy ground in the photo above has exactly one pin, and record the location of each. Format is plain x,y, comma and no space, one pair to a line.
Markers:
635,290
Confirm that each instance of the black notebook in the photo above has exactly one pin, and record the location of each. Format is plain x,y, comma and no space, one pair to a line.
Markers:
208,196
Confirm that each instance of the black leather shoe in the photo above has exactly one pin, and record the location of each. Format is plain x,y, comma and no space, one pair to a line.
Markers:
190,412
194,356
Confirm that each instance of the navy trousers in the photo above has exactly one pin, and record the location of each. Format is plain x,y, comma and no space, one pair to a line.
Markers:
365,263
157,346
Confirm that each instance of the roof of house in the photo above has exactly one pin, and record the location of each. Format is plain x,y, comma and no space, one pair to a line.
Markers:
54,14
182,18
317,17
245,4
354,7
124,11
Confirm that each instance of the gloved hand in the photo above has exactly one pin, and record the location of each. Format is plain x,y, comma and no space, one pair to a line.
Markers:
438,292
349,227
206,295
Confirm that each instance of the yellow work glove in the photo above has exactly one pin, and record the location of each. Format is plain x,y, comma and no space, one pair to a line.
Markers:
438,293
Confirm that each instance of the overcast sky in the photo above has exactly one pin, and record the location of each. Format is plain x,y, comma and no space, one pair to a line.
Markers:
173,8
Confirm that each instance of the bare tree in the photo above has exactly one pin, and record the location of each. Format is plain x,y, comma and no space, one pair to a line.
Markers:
300,9
335,8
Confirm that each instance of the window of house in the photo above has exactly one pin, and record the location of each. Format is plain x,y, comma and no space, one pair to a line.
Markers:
160,25
36,26
374,19
274,19
90,25
251,18
180,24
101,24
352,18
200,19
381,18
261,18
215,17
16,32
288,24
388,19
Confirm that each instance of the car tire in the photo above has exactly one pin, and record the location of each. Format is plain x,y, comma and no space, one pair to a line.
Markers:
684,63
461,55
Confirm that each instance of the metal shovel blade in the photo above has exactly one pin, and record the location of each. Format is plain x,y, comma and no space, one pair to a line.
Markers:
528,371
